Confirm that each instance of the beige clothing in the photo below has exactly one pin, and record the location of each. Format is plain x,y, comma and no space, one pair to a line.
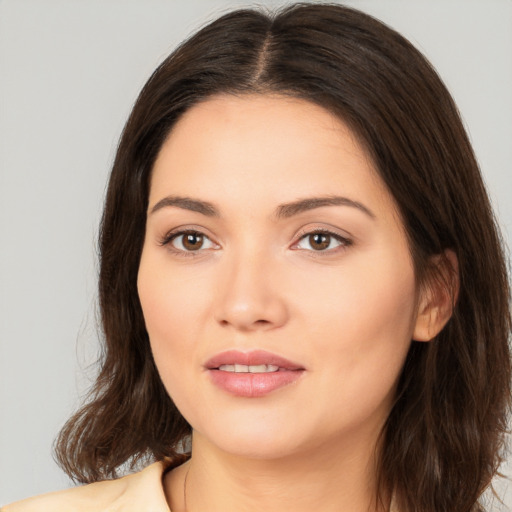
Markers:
139,492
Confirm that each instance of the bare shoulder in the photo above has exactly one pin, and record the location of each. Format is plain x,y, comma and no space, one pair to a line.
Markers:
139,492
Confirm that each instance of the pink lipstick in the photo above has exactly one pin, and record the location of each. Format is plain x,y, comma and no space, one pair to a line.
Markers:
252,374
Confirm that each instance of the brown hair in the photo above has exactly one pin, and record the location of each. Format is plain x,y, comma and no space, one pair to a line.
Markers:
444,437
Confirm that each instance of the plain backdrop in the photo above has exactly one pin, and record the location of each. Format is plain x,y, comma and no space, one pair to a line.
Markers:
70,71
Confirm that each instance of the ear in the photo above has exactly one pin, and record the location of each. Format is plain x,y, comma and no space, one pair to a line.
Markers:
438,296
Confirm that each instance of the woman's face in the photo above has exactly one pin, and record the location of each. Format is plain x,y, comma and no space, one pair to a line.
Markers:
276,282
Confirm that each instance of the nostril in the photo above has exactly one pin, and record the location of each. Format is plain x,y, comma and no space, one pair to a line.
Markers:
250,312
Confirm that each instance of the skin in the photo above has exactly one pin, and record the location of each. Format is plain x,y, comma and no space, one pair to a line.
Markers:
346,313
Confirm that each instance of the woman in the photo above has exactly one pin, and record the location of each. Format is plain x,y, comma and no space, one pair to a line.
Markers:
303,293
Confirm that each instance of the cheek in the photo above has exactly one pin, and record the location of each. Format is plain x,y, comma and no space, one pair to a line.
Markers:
169,304
363,327
374,292
173,306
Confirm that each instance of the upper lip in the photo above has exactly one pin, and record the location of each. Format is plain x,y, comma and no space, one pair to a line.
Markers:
251,358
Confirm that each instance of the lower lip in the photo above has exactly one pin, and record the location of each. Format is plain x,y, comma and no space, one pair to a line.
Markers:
253,385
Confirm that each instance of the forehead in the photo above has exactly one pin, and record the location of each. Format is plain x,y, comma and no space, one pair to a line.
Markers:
258,149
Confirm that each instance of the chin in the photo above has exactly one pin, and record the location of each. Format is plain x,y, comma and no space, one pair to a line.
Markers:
262,440
257,448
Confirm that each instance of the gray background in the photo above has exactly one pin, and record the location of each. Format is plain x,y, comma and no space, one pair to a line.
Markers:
69,73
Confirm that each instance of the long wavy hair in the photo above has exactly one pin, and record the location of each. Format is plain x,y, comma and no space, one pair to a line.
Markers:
444,437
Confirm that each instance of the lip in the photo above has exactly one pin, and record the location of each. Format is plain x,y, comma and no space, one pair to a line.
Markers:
253,357
252,385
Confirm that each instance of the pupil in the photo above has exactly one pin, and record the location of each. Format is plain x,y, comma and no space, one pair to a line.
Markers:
193,241
319,241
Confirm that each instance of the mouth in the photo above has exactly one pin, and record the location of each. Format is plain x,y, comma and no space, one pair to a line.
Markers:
255,361
244,368
252,374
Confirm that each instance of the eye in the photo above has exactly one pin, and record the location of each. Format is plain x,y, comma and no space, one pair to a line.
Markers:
322,241
189,241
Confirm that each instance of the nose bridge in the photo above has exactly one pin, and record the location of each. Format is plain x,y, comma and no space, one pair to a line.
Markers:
248,292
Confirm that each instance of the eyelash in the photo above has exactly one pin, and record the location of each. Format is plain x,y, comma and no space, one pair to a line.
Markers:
170,237
343,241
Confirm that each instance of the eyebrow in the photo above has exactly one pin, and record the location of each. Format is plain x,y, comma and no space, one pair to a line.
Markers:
187,203
287,210
283,211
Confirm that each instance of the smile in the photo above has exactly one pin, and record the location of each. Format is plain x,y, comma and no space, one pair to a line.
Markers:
251,374
243,368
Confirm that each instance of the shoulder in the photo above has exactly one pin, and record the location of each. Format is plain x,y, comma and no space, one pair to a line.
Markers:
139,492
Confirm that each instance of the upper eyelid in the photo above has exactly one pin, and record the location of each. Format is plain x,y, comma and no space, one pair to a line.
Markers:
167,242
342,239
303,233
171,236
336,232
181,230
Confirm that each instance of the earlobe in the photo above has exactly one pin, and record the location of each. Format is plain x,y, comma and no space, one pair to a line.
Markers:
437,297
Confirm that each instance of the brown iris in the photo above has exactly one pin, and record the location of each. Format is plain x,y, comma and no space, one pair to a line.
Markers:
319,241
192,241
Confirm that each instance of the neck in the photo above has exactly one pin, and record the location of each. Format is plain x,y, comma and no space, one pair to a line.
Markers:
334,479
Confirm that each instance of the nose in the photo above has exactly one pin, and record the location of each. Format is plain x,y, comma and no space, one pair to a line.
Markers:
250,295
